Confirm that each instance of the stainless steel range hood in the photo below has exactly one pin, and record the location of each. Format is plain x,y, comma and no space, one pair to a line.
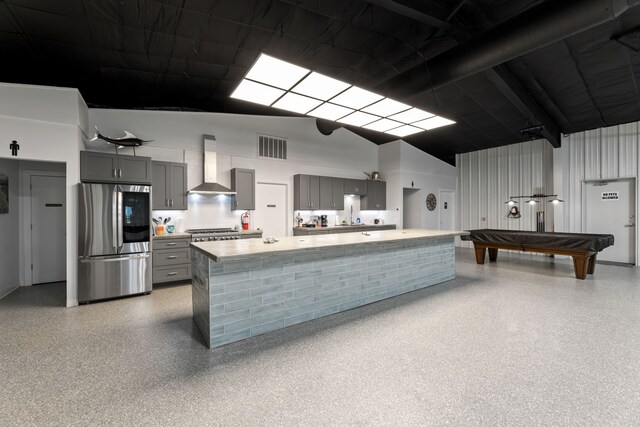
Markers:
210,186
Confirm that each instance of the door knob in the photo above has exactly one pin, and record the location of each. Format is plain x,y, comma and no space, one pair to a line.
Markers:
629,225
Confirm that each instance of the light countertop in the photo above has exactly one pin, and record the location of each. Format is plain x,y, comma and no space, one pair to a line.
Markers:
232,250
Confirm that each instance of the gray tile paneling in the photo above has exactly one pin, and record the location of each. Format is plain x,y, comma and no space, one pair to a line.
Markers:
248,298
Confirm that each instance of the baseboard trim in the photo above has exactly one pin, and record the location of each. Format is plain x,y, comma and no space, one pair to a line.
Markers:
8,291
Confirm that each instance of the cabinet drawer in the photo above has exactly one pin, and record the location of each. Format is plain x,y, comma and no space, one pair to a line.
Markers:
171,257
170,244
172,273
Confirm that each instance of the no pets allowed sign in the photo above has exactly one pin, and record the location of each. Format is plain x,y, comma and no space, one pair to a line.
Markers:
611,195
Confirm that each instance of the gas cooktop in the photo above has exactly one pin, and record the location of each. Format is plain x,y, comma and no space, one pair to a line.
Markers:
213,234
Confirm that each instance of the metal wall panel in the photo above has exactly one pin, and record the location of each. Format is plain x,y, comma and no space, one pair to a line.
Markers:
487,178
606,153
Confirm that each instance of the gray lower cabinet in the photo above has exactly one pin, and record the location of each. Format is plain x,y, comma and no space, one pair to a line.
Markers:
243,182
306,192
376,198
357,187
105,167
169,186
331,193
171,260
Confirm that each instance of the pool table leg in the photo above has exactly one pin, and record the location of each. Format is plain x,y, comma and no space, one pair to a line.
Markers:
581,266
480,252
493,254
592,264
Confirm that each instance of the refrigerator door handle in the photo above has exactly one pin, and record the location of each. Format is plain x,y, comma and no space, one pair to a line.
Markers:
114,218
120,220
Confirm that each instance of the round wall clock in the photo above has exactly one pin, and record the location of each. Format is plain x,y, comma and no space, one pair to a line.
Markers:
431,201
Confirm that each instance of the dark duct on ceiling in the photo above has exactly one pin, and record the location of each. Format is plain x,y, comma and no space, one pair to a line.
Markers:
540,26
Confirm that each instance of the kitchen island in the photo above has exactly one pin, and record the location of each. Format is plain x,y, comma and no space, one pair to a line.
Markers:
244,288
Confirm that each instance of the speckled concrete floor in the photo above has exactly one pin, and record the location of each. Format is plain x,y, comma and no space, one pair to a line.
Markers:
520,342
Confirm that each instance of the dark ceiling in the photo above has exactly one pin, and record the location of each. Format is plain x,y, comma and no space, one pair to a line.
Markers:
190,55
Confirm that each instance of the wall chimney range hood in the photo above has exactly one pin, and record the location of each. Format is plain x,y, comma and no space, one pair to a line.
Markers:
210,186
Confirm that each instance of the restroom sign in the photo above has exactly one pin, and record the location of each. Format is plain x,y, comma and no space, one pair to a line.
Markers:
611,195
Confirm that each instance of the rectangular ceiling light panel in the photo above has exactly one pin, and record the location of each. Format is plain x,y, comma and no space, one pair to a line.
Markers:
356,98
405,130
383,125
434,122
279,84
359,119
386,107
412,115
275,72
320,86
297,103
256,92
330,111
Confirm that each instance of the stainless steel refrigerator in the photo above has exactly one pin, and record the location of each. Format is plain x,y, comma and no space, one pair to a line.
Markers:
114,241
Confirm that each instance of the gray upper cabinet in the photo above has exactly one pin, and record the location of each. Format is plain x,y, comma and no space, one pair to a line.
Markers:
331,193
243,182
357,187
306,192
169,187
376,198
338,193
105,167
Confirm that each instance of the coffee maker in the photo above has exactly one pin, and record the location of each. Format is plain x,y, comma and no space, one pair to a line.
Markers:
323,221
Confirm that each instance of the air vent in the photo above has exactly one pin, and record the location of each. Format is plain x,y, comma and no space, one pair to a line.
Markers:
272,147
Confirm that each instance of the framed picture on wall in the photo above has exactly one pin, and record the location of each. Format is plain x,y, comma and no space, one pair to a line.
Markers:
4,194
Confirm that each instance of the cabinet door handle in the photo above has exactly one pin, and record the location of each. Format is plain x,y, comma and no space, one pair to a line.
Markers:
172,257
171,202
114,173
171,244
119,173
173,273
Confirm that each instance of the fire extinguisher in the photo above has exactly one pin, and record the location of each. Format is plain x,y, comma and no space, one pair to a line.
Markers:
245,220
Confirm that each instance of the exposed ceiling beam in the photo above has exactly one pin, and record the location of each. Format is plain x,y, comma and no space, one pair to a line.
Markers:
513,90
409,12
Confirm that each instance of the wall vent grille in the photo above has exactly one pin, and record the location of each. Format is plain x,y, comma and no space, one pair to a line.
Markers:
272,147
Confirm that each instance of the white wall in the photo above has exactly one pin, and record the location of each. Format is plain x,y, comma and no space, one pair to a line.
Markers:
404,166
9,256
48,123
605,153
178,136
489,177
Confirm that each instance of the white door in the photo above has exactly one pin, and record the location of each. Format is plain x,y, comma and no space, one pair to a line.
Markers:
271,210
446,209
610,208
48,235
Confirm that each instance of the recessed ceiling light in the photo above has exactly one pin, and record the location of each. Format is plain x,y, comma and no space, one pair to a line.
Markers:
412,115
276,72
330,111
383,125
386,107
356,98
297,103
319,86
256,92
404,130
433,122
359,118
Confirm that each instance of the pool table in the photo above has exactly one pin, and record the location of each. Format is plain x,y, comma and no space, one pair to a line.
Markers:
582,247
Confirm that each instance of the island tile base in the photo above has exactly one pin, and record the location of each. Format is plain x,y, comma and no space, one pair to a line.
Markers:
234,300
